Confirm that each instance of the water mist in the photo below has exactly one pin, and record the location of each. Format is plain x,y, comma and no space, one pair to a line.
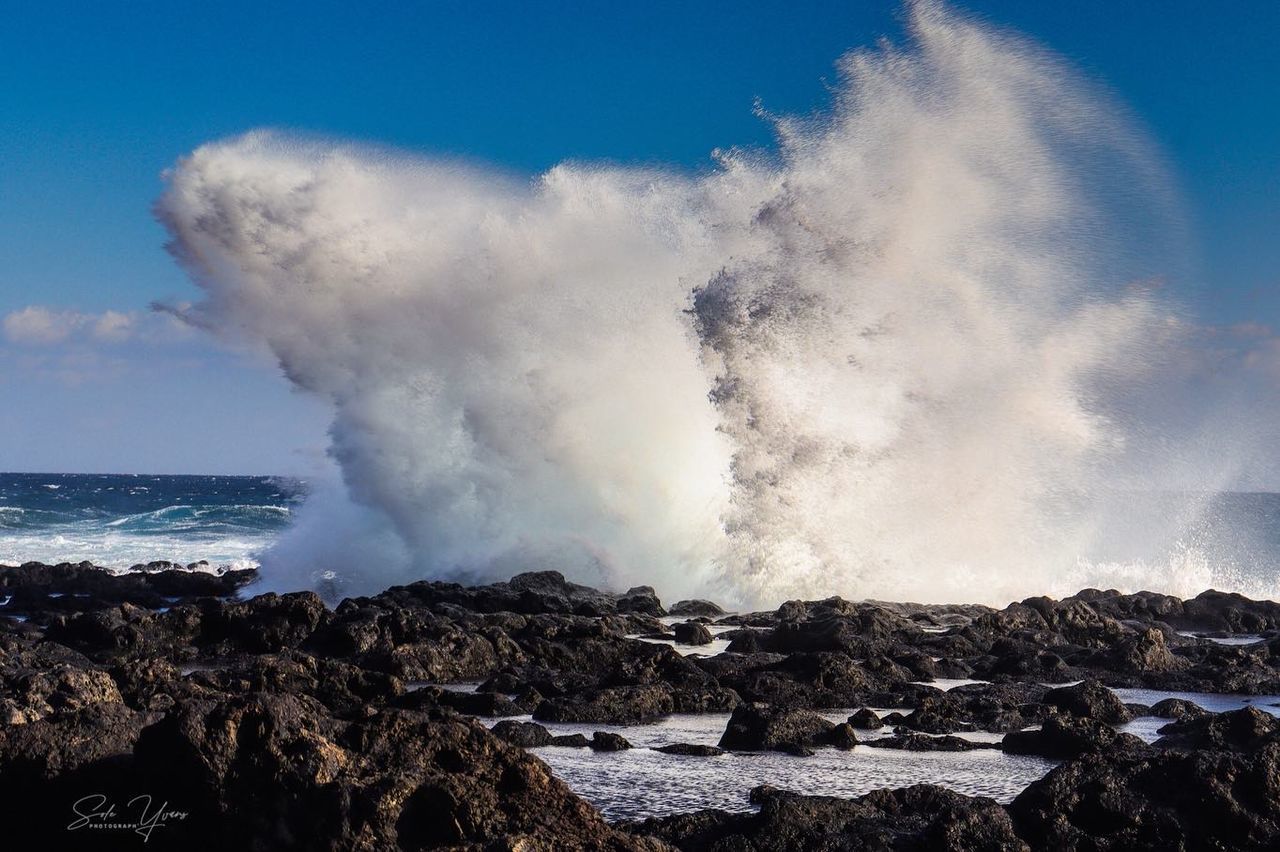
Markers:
890,358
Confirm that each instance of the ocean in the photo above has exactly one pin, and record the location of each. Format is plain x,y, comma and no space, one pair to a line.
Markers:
1165,542
117,521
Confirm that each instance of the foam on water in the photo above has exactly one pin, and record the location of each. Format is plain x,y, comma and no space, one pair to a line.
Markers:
117,522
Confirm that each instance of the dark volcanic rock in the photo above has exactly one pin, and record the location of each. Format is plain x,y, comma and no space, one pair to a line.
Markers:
695,608
760,727
622,705
905,740
842,736
1249,729
1177,708
692,633
691,749
523,734
28,694
1153,799
1090,700
914,818
1062,737
267,623
278,723
65,588
866,719
1145,652
609,741
279,769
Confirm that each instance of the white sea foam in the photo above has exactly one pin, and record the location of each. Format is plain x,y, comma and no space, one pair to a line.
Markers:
894,358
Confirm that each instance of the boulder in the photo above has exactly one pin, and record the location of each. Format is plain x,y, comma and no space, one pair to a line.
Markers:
1090,700
692,633
760,727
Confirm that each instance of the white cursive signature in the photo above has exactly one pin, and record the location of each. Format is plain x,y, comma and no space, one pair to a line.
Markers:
95,811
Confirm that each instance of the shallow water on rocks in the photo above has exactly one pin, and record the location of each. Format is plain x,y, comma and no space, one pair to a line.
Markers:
1237,639
1214,702
642,782
712,648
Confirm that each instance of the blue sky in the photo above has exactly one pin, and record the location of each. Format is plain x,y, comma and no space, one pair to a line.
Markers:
98,98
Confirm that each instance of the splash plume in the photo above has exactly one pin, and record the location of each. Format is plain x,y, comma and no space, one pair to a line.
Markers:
887,359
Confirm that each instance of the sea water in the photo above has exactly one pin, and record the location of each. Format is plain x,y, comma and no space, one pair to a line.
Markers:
117,521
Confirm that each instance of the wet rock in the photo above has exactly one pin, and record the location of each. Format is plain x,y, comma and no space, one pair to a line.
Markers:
760,727
1139,654
609,741
746,640
1177,708
1248,729
914,818
1154,799
570,741
696,607
1229,612
490,704
906,740
36,588
841,736
623,705
265,624
1089,699
1062,737
691,750
692,633
641,599
279,767
866,720
523,734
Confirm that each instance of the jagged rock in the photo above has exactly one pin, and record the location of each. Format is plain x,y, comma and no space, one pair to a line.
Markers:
30,694
1145,652
622,705
906,740
914,818
1142,798
866,720
523,734
695,608
1177,708
1089,699
266,624
841,736
1063,737
760,727
1249,729
692,633
608,741
279,769
36,588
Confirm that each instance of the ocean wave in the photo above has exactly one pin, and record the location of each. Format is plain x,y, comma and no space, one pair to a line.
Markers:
170,515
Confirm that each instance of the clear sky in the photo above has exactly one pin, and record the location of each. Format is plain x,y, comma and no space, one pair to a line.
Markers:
97,98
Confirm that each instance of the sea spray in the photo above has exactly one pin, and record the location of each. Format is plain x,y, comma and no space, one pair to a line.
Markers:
888,359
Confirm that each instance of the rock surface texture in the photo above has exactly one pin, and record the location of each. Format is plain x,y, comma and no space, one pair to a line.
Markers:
277,723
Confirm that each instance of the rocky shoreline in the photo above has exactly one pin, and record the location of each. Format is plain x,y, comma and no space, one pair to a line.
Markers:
273,722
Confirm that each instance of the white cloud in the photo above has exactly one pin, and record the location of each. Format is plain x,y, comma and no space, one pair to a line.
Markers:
113,326
38,325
